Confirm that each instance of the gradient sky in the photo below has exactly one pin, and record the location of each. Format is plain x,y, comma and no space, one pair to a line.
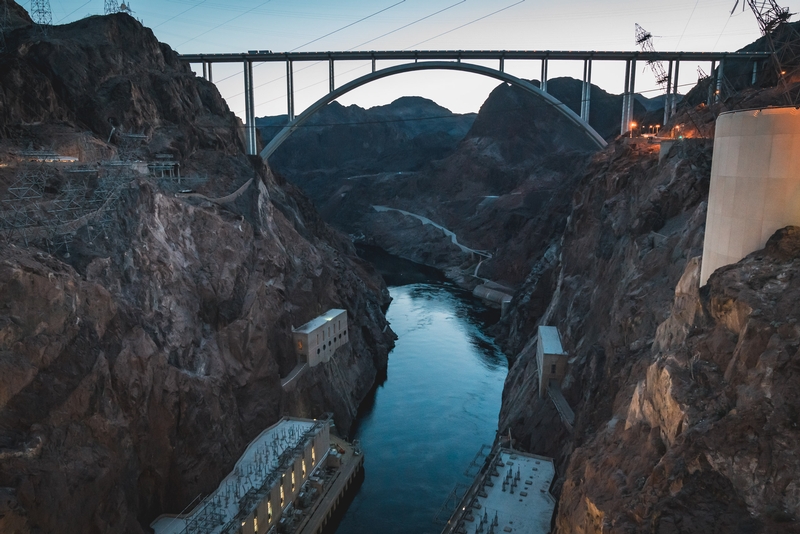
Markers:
195,26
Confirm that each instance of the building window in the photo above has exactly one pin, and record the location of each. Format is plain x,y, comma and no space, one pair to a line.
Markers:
269,511
299,345
313,457
283,497
553,369
317,350
255,524
292,480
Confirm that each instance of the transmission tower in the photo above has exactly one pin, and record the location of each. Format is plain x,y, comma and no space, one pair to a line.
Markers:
645,40
41,13
782,38
5,22
111,7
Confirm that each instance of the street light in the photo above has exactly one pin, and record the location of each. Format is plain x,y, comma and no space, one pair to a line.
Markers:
633,127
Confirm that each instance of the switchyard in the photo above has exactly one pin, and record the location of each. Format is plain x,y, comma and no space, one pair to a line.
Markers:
511,494
289,479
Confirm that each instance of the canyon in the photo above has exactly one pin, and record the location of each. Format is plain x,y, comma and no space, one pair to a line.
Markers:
139,358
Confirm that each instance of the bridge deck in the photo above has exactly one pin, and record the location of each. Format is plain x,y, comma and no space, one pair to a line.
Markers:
267,55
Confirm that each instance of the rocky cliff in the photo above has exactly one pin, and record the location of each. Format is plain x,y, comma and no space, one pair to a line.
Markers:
143,339
495,191
684,396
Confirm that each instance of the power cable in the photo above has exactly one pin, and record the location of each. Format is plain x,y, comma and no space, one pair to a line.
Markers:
409,24
317,39
464,25
347,26
73,11
178,15
687,24
226,22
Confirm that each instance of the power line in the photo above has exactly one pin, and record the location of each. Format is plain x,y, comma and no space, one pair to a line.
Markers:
409,24
226,22
75,10
687,24
467,24
348,25
179,14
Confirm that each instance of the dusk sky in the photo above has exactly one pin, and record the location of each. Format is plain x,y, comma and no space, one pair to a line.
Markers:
191,26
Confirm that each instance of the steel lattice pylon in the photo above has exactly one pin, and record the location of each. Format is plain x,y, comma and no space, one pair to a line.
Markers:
4,24
645,40
783,40
111,6
41,12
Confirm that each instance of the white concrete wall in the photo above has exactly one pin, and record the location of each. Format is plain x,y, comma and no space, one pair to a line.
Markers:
755,184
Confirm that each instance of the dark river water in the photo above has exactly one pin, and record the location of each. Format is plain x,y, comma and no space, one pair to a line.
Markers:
438,405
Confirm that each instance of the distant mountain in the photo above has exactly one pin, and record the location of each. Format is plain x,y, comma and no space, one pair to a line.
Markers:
401,136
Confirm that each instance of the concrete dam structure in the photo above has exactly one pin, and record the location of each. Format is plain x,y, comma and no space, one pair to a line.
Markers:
755,183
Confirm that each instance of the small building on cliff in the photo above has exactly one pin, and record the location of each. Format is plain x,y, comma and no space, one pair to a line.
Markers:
551,360
318,339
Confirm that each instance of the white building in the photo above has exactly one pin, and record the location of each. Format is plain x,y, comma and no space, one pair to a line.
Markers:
318,339
551,360
262,486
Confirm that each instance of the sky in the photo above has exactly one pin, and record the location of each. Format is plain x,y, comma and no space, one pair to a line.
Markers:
211,26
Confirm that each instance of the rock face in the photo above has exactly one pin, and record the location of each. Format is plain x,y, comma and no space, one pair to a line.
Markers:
684,396
504,190
343,141
135,366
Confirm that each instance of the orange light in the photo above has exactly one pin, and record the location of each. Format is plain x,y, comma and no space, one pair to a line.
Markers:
633,125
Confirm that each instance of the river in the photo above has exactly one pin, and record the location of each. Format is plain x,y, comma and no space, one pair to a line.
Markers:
439,403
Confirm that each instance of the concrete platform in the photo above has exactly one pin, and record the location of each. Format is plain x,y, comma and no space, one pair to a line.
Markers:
511,495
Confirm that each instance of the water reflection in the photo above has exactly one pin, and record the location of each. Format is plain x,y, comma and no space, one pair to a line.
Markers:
438,405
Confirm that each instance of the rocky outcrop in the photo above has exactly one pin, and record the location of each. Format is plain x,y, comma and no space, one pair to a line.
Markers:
344,141
683,395
504,191
136,364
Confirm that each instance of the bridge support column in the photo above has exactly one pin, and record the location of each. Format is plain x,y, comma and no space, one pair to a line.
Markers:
210,77
712,83
718,81
249,110
331,84
755,72
668,96
373,63
675,89
502,64
205,74
631,97
587,89
623,122
289,90
543,82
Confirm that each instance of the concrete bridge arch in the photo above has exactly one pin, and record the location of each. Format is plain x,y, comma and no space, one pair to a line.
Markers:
546,98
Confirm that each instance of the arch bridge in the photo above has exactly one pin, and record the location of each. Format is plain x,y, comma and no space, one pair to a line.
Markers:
460,60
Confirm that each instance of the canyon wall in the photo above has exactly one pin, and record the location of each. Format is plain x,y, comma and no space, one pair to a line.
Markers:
686,414
138,360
